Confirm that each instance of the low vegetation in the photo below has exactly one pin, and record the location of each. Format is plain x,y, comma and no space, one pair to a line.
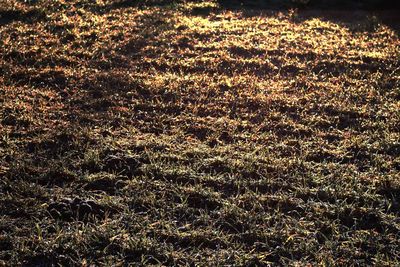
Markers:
197,133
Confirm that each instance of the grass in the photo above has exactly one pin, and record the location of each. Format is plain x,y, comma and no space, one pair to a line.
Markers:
197,134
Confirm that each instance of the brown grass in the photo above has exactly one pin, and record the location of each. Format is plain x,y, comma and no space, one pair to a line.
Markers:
191,134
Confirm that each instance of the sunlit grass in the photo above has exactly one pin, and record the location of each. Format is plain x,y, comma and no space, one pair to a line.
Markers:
192,133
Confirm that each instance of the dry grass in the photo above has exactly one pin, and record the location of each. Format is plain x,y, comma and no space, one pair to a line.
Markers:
192,134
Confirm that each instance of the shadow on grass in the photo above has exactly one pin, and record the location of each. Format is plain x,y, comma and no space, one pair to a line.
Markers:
8,16
363,14
319,4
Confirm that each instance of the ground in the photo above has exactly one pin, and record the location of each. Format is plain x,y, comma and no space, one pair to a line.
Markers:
198,133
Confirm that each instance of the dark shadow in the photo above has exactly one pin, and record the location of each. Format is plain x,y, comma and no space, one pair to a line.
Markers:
8,16
353,12
356,19
319,4
133,3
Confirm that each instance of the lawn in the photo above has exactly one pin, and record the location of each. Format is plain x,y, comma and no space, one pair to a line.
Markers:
198,133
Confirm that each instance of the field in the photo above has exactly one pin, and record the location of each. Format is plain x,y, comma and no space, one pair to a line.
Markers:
198,133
